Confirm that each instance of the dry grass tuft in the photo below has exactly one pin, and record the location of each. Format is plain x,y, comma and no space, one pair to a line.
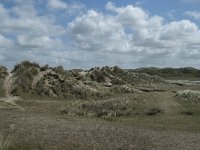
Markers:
107,109
3,74
189,96
5,142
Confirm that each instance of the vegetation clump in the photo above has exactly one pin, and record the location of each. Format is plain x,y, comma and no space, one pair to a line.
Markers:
3,74
55,82
118,76
189,96
5,142
104,109
170,72
24,74
24,65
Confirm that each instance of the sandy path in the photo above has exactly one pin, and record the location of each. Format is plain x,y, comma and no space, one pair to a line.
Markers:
164,100
168,103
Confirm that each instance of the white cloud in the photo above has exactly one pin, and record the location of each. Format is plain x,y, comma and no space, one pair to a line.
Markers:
68,7
127,36
28,35
4,42
94,31
140,2
132,30
57,4
179,31
42,42
29,23
129,15
193,14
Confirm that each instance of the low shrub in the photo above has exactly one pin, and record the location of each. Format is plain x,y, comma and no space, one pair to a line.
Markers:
107,109
152,111
82,93
3,72
5,142
98,76
24,65
59,69
2,88
24,74
189,96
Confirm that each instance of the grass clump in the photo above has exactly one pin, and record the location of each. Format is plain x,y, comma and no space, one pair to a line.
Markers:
59,70
24,65
189,96
24,74
108,110
170,72
100,82
64,89
3,74
190,102
5,142
2,89
98,76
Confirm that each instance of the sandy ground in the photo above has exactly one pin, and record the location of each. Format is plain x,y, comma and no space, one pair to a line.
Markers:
39,125
56,132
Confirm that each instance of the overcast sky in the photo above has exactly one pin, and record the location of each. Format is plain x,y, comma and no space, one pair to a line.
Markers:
88,33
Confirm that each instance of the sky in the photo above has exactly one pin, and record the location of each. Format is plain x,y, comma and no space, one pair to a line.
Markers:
88,33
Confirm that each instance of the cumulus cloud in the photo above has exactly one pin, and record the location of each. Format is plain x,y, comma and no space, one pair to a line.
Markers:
22,33
29,23
67,9
193,14
42,42
131,29
4,42
95,31
57,4
127,36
